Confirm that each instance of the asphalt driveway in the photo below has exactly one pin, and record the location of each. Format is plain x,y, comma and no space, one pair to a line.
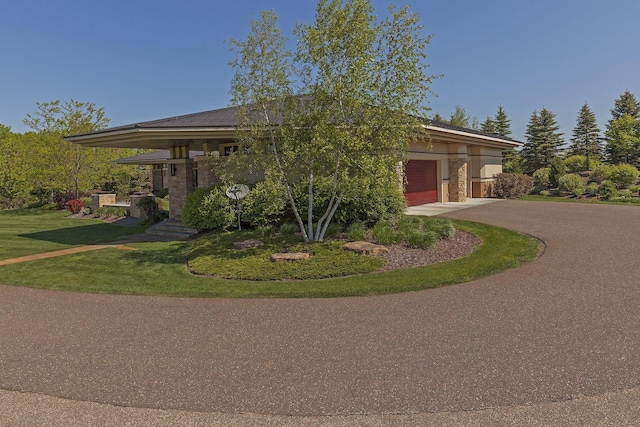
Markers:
563,327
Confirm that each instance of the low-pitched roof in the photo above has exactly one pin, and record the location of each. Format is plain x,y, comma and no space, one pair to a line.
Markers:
221,124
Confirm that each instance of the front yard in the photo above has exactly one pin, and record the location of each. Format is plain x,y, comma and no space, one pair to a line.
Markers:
160,268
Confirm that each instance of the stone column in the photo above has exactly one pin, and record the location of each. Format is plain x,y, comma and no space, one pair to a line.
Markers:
134,210
458,179
99,200
180,184
206,176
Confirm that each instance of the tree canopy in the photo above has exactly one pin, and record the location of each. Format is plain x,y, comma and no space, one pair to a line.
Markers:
342,107
585,140
543,140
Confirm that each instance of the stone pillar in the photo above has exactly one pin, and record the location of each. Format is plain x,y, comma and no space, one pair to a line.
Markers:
134,210
99,200
458,179
206,176
180,184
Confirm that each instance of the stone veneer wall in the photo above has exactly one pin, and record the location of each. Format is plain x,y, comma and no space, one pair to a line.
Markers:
457,179
99,200
157,183
206,176
180,185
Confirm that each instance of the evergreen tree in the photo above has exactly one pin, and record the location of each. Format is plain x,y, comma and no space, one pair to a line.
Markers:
438,118
502,123
543,140
488,126
586,136
460,117
625,104
623,140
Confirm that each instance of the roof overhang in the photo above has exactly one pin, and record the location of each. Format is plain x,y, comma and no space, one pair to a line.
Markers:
451,136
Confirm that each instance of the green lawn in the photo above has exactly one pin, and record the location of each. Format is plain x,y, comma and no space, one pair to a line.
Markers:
160,268
540,198
30,231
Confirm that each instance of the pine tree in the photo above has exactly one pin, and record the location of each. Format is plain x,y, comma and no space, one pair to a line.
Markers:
502,123
460,117
488,126
438,118
543,140
586,136
625,104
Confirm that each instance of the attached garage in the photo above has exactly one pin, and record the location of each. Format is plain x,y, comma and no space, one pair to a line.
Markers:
421,182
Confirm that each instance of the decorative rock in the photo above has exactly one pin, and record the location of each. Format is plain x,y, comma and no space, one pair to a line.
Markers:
365,248
251,243
289,256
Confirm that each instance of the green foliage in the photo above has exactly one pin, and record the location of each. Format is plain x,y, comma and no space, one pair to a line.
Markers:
572,183
623,175
163,193
577,163
543,140
502,123
333,230
110,211
364,84
288,229
586,137
626,104
541,177
607,190
357,231
623,140
600,172
592,189
512,185
629,200
556,171
208,209
414,231
460,117
265,204
152,210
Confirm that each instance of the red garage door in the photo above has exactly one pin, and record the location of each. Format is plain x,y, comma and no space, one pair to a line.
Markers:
422,182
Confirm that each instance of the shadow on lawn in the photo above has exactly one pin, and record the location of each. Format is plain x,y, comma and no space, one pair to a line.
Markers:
82,235
159,253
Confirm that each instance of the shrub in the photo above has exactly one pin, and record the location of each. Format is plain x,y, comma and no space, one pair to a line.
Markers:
208,209
631,200
288,229
61,198
384,234
420,239
442,227
357,231
152,210
512,185
366,201
607,190
600,172
74,206
592,189
265,204
163,193
111,211
545,193
623,175
556,171
576,164
541,177
572,183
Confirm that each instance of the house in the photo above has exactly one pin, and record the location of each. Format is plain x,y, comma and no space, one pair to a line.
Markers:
458,164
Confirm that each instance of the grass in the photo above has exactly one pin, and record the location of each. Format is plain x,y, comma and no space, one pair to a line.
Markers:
160,268
214,254
31,231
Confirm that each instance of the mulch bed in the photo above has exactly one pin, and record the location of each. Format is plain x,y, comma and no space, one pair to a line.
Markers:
461,245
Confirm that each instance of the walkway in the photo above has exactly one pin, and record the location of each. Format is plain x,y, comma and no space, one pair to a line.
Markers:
556,340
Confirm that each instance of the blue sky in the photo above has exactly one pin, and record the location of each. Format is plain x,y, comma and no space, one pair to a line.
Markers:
144,60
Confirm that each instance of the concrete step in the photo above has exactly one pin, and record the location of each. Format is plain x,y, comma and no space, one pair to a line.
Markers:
172,228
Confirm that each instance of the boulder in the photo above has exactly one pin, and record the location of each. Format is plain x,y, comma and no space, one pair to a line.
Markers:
289,256
365,248
251,243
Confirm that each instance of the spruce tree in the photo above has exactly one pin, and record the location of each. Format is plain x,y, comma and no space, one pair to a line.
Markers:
438,118
460,117
586,136
625,104
543,140
488,126
502,123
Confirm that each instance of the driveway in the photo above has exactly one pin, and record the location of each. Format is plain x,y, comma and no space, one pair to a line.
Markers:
564,327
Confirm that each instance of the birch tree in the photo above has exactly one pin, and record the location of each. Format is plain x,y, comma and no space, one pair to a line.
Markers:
343,106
